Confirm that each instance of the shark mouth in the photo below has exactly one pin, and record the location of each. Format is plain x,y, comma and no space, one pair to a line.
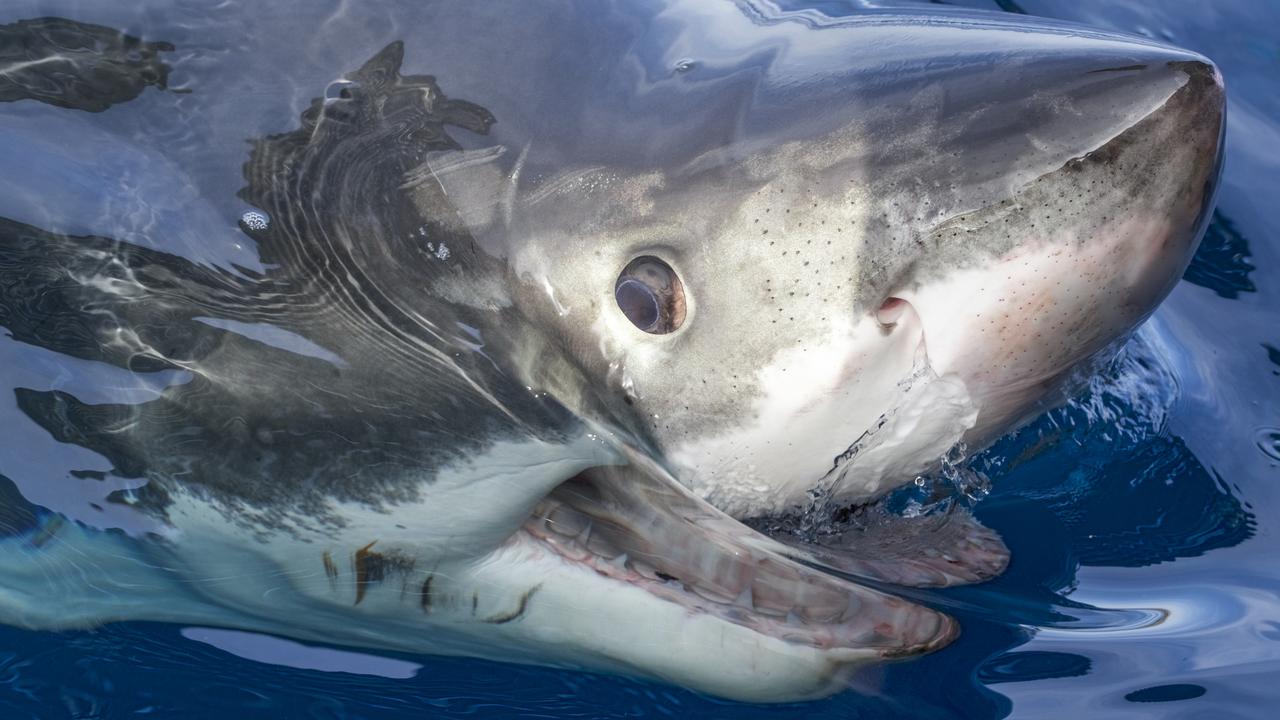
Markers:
635,524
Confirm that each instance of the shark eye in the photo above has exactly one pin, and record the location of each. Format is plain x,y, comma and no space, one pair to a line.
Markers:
650,294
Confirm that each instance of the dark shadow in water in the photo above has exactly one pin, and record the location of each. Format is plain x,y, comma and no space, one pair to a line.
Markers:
1153,503
1166,693
1104,469
1274,356
1222,262
1032,665
76,65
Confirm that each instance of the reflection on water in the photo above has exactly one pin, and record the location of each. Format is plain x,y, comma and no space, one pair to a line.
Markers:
278,651
1269,442
77,65
1222,262
1117,507
1125,492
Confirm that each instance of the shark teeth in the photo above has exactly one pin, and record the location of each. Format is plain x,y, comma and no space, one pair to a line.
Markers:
660,541
709,594
756,593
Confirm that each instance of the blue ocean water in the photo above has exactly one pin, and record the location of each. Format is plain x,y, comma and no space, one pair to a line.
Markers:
1141,518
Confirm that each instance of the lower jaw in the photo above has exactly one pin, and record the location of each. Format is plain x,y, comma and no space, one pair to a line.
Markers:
581,620
698,564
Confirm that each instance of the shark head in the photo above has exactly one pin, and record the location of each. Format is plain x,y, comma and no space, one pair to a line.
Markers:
506,367
891,235
344,444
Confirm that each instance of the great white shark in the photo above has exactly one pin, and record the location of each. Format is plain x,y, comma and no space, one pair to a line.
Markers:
494,356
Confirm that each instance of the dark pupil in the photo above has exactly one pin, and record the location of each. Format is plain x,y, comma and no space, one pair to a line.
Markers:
638,303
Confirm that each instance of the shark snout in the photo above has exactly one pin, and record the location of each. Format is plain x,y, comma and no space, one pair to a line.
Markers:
1083,253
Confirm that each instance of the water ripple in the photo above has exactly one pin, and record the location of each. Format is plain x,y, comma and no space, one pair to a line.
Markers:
1268,440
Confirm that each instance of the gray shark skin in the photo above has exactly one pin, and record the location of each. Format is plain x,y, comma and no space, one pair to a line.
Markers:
371,383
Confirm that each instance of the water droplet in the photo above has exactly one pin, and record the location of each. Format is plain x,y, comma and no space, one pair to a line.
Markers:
255,220
684,66
1268,439
340,90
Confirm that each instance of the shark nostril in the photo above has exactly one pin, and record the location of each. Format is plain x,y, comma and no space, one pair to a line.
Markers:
891,311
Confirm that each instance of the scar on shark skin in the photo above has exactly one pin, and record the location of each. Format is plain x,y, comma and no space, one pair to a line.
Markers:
369,568
373,567
329,568
425,593
47,530
515,614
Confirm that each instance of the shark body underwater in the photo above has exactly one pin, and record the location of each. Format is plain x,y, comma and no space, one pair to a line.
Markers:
492,361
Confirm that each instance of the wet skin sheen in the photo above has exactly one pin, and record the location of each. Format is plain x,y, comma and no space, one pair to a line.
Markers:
521,311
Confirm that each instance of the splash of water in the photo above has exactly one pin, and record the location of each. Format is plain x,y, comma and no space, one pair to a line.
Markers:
1129,392
951,484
